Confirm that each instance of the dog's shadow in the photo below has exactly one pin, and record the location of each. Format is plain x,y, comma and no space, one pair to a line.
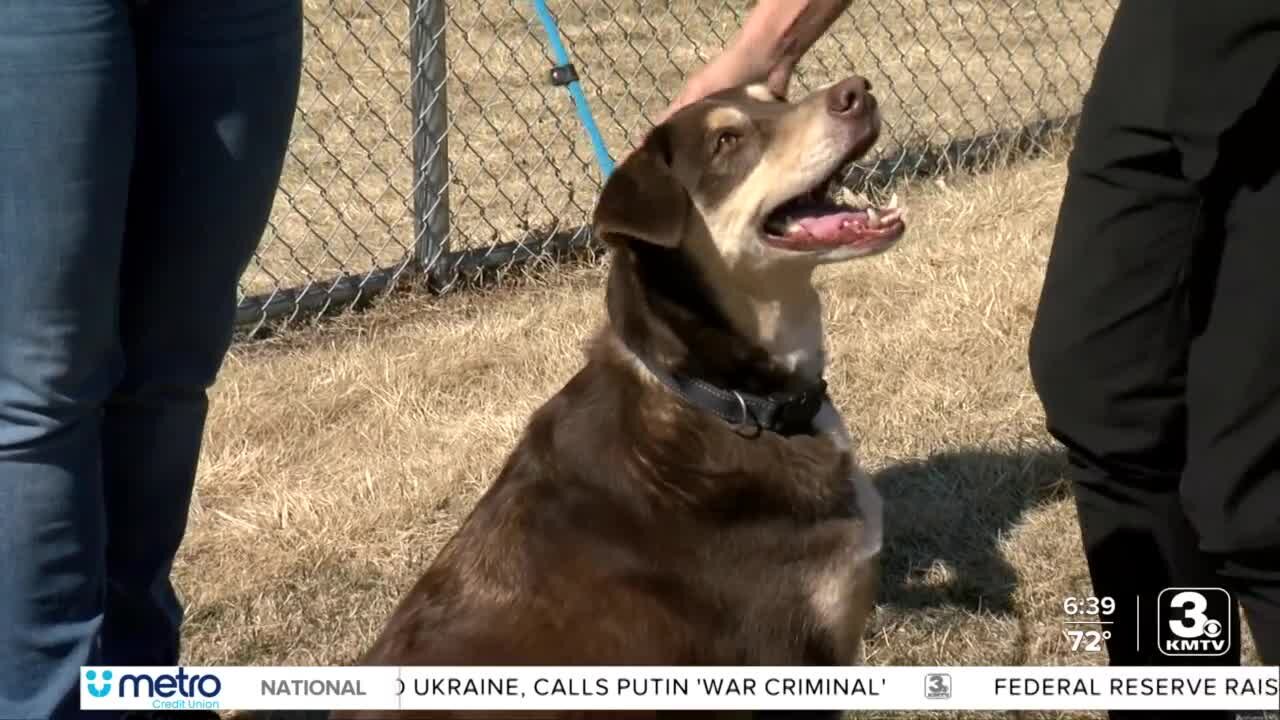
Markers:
945,516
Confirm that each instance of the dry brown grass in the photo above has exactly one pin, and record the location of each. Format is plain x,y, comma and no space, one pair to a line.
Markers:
520,161
339,460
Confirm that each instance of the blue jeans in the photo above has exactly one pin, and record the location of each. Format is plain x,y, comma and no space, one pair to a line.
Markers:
141,144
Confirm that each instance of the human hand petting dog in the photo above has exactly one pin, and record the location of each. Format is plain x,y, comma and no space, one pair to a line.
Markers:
735,67
775,35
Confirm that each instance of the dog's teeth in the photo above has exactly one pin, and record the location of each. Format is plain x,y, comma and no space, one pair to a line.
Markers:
873,218
893,202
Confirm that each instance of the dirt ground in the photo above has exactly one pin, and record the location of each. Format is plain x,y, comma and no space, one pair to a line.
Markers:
339,459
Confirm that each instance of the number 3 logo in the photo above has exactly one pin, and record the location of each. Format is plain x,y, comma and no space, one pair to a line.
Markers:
1194,621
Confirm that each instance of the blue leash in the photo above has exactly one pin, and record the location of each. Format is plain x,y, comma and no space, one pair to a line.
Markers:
565,74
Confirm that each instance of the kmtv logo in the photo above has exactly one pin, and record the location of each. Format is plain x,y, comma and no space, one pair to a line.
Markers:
1195,622
152,685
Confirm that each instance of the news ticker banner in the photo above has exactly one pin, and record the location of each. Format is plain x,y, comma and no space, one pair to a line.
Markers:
1250,688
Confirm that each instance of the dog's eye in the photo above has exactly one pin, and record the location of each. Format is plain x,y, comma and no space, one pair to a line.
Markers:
725,140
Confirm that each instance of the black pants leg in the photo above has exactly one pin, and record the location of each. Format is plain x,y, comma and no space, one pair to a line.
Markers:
1231,482
1131,351
1109,346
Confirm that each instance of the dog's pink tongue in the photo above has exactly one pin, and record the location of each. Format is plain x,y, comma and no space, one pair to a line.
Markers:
828,227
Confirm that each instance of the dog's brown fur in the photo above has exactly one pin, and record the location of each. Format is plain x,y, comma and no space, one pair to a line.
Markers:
629,527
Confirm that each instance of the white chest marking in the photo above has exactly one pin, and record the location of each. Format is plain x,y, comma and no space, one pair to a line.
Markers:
870,504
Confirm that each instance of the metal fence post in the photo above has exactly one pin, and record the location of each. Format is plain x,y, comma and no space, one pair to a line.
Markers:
429,77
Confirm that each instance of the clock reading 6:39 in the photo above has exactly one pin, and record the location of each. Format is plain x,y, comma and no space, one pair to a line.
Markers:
1093,606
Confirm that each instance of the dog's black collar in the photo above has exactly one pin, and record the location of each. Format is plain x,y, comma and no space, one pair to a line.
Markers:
785,413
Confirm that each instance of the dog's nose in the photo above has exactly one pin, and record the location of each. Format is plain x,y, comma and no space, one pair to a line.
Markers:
850,96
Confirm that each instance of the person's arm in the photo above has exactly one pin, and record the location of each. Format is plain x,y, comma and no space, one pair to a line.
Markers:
775,35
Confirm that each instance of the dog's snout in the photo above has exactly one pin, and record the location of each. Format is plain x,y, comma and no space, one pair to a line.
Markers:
850,97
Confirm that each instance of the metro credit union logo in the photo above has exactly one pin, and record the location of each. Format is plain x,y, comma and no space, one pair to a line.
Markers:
95,689
172,688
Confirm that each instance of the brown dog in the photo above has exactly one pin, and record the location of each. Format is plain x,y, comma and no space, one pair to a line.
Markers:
689,497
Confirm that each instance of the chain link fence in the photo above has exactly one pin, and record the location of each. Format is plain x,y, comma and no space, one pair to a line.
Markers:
430,146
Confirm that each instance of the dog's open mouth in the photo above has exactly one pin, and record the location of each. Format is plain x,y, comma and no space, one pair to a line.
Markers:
816,221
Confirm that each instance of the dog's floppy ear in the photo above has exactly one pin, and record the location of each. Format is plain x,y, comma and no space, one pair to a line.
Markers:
642,200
